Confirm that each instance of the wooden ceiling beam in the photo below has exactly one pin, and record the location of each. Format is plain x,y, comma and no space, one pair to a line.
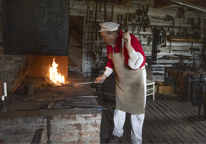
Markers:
163,3
119,2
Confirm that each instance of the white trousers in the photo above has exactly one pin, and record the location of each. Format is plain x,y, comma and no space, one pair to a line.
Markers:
136,121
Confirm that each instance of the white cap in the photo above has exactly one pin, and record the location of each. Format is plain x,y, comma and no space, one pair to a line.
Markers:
108,26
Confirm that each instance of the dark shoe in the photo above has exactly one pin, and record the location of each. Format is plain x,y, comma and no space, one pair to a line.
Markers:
113,139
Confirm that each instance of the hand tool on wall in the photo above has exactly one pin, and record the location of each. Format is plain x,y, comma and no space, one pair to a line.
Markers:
133,28
196,35
164,38
198,26
159,18
149,40
140,39
169,18
145,19
194,51
178,33
139,12
155,42
181,13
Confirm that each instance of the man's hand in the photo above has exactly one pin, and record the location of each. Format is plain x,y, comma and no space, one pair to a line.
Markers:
128,42
101,79
128,39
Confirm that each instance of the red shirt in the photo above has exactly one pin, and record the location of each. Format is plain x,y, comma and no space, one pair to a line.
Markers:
118,45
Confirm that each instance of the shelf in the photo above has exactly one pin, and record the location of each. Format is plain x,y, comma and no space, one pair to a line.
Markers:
185,40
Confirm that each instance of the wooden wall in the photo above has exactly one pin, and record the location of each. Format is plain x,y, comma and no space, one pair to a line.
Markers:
165,58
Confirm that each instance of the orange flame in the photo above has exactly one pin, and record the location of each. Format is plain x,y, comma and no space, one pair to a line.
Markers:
55,77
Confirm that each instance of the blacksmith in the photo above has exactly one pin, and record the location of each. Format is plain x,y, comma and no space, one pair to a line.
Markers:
127,59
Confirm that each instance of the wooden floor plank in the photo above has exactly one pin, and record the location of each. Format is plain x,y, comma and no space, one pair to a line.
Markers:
167,120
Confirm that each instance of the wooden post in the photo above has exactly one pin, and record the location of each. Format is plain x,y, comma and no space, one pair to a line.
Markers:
112,13
87,13
204,96
1,88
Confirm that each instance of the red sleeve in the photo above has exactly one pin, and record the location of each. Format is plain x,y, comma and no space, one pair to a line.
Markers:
109,63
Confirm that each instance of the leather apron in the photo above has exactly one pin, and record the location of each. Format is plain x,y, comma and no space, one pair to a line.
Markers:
129,86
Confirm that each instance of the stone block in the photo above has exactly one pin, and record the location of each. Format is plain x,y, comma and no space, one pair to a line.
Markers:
3,75
95,124
19,130
1,59
20,59
8,67
25,139
12,74
8,121
63,118
2,141
89,134
66,127
95,141
40,126
8,59
89,117
64,137
31,120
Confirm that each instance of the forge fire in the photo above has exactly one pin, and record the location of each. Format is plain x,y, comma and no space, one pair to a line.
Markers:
55,77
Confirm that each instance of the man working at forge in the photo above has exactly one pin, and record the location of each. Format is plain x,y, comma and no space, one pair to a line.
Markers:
127,59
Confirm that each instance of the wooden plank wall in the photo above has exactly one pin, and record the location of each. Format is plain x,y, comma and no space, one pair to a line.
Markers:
89,57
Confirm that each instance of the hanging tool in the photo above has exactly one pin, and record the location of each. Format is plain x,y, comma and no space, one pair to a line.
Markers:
178,33
149,40
139,12
181,13
164,38
155,42
169,18
140,39
159,18
145,16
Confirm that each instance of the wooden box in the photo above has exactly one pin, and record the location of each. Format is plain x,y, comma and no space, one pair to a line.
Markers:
165,90
162,88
